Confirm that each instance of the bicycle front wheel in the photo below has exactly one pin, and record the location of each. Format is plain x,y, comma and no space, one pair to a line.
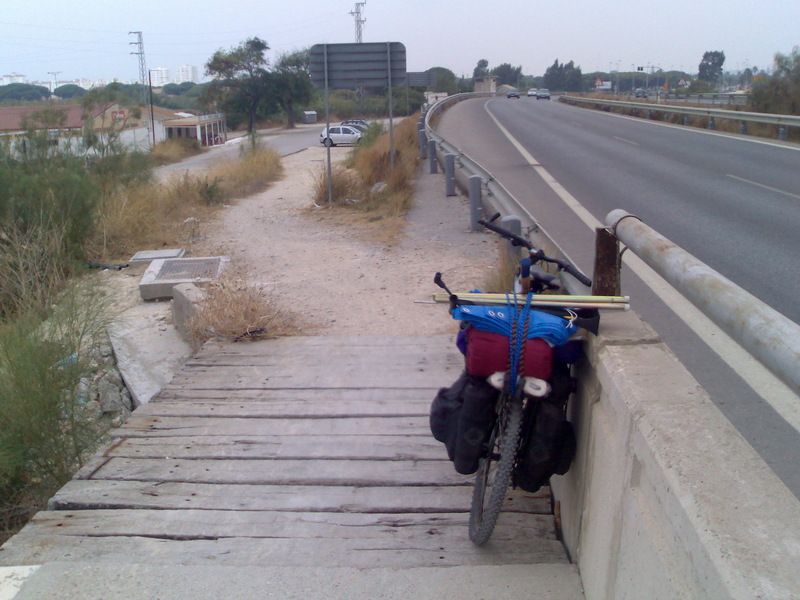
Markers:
494,471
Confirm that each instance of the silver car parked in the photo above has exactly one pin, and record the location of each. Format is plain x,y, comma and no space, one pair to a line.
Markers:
340,134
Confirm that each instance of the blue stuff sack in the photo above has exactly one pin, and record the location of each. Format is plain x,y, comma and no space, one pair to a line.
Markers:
498,319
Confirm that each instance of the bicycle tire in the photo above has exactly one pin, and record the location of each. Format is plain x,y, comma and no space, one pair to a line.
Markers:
494,474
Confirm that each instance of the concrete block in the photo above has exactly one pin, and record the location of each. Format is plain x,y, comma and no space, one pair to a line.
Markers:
186,297
146,256
163,274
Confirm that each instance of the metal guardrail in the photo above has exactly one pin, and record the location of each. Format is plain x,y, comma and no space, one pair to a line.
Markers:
766,334
744,117
761,330
494,192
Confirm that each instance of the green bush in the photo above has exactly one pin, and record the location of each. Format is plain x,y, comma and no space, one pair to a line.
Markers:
46,428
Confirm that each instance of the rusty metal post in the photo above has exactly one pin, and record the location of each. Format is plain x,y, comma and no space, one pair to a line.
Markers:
607,263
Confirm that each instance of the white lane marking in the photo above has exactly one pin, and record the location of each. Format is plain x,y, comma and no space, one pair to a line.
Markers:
626,141
771,389
761,185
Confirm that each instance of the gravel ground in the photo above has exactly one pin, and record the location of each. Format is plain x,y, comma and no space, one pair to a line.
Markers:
334,273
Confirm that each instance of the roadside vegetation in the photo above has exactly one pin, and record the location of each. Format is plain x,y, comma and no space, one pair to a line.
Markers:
367,188
62,207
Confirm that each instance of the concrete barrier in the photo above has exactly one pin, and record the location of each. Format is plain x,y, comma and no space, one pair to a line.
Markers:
666,499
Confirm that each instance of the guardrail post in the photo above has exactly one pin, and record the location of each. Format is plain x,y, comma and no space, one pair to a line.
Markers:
712,123
450,174
782,132
422,139
475,183
687,120
514,224
432,156
743,127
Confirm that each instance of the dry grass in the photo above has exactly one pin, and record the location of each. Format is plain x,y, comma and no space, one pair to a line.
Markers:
345,187
175,150
235,311
501,279
251,173
381,212
163,215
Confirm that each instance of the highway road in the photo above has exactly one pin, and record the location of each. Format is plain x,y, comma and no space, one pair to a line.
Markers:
733,202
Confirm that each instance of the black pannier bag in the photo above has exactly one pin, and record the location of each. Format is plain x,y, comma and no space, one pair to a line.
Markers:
461,418
445,410
548,445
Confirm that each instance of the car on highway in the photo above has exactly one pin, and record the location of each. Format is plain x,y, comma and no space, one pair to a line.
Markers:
543,94
640,93
532,93
512,93
340,134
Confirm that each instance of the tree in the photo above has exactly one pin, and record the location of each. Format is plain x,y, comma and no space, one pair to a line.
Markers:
445,80
573,78
240,77
780,92
291,82
710,68
69,90
507,75
23,92
554,76
482,69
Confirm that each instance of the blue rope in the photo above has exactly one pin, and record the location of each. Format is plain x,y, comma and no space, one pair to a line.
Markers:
519,334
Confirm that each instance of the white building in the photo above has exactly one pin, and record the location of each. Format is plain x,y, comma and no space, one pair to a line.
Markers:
160,77
187,73
13,78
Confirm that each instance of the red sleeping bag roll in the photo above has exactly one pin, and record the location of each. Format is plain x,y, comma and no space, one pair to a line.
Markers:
487,353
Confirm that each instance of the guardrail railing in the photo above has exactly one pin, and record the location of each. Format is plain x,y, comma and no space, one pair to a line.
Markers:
742,117
766,334
493,192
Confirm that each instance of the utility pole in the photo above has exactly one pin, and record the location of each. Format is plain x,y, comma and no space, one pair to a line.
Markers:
143,74
55,75
359,30
359,21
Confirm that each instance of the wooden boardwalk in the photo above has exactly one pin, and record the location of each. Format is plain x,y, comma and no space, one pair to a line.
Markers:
306,451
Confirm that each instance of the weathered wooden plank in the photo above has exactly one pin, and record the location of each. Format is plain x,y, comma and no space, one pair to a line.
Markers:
283,409
84,495
428,346
199,426
284,472
418,362
364,376
216,524
295,447
182,394
430,551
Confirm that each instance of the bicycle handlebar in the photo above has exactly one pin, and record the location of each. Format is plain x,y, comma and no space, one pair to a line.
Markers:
536,254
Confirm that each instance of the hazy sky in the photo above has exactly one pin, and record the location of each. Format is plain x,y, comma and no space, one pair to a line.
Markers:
90,38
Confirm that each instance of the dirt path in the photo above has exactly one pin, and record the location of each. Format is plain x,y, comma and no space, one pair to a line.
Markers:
334,273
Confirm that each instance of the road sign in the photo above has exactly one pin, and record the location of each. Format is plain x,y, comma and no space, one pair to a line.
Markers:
348,66
421,79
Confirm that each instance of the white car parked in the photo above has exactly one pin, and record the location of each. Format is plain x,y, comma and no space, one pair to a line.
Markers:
340,134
